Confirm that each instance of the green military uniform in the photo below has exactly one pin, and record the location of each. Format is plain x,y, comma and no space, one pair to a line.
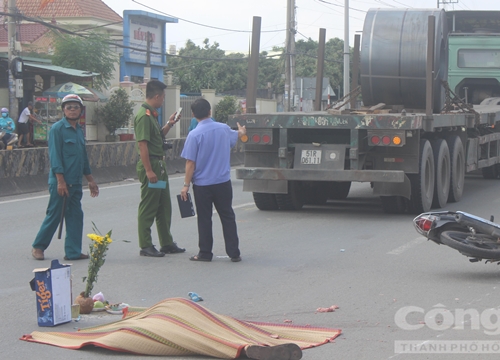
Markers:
155,203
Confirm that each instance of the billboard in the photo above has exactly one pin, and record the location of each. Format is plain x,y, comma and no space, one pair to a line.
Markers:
136,27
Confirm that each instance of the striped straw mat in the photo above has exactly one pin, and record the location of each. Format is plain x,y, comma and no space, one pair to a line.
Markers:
179,327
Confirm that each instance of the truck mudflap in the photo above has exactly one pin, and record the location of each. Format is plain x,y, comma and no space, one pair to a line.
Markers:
392,176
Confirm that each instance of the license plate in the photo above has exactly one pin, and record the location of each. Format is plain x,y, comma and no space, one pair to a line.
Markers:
311,157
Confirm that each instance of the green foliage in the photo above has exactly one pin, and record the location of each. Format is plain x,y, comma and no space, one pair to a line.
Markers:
306,60
229,72
193,73
116,112
89,53
227,106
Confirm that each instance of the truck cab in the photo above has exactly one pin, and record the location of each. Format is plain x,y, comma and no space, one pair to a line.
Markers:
474,55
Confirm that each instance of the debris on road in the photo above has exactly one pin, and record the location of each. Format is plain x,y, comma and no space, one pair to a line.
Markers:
328,309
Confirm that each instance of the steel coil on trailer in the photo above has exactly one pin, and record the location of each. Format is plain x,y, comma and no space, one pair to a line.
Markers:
394,56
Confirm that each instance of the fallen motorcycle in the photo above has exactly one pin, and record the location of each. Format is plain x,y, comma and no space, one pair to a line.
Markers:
472,236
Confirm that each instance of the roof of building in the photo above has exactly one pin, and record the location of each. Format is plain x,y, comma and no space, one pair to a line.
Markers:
59,69
67,8
27,33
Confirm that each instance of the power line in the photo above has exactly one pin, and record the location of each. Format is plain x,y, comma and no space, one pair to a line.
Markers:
400,3
329,3
199,24
386,4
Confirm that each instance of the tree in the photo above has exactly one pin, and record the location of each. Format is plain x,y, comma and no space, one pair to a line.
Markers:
116,112
306,60
219,71
89,53
227,106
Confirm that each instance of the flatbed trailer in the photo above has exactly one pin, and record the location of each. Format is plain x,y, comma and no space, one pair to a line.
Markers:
292,159
414,159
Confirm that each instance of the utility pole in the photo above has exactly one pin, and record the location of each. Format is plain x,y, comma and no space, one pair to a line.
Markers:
147,68
346,52
290,55
11,34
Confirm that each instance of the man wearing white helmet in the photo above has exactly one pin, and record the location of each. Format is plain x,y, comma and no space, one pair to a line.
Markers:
68,164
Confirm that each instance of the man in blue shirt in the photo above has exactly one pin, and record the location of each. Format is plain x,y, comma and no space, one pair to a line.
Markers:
207,152
68,164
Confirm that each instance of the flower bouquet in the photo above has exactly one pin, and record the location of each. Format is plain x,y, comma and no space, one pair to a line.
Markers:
98,247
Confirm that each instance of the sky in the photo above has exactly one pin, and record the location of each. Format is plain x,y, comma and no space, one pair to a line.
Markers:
229,22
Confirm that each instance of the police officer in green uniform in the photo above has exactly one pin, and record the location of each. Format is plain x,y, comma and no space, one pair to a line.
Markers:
152,172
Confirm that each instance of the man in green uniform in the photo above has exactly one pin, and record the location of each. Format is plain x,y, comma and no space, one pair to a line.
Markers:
152,172
68,164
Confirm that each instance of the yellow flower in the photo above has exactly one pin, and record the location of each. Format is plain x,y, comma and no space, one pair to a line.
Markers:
98,248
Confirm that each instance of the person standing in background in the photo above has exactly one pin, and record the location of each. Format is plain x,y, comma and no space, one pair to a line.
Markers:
155,201
192,125
23,125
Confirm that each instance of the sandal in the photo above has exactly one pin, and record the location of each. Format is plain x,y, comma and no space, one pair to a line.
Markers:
199,258
195,297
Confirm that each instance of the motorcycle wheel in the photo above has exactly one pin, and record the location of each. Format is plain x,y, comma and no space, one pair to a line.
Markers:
473,245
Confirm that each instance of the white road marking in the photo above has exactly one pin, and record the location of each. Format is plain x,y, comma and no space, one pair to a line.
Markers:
407,246
243,205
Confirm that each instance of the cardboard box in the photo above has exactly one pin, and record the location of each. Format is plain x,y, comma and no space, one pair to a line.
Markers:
53,294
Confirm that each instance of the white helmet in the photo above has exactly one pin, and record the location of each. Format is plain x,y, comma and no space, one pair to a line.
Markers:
71,98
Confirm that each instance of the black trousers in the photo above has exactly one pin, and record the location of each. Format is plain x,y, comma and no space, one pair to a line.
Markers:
220,195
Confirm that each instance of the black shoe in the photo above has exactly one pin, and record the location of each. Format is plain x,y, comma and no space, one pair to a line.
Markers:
236,259
151,251
172,249
279,352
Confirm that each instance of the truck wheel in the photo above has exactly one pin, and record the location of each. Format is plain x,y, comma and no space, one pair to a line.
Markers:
339,190
442,179
293,200
491,172
422,184
394,204
317,193
474,245
457,172
265,201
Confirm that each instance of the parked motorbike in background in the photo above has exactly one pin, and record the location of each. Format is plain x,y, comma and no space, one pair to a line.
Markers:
472,236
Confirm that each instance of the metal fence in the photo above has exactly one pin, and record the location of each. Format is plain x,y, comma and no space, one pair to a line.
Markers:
186,115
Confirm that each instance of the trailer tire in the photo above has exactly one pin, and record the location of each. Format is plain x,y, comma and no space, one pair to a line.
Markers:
317,193
474,245
338,190
443,169
394,204
265,201
293,200
491,172
422,184
457,171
